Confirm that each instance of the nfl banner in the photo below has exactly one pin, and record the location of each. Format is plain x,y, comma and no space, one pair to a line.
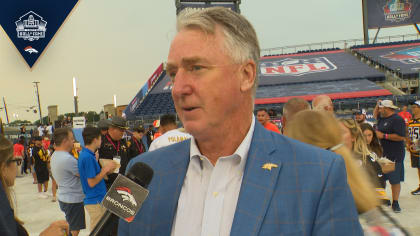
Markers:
390,13
31,25
201,5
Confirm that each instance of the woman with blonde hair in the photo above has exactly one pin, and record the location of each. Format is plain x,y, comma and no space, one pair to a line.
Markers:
356,141
10,225
321,129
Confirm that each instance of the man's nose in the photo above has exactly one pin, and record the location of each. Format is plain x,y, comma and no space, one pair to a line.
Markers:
182,84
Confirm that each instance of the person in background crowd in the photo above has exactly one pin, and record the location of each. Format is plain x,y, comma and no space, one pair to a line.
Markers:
264,119
391,132
150,134
69,122
272,114
405,115
323,103
92,176
355,141
31,161
293,106
64,168
158,133
170,133
22,129
46,142
54,185
413,141
136,146
50,129
103,125
360,116
372,140
41,159
26,158
113,147
327,133
10,225
19,153
234,177
40,131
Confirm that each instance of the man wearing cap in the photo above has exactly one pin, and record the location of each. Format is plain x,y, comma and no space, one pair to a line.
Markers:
103,125
391,133
360,116
413,138
114,147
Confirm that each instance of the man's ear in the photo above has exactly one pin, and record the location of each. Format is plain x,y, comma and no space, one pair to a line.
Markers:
248,74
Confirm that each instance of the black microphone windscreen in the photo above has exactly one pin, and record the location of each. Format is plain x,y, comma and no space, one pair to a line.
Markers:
140,173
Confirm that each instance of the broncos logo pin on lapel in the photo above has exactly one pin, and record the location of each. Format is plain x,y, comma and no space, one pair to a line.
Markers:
268,166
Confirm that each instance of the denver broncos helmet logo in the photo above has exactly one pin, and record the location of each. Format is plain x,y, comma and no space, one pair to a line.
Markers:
30,50
126,195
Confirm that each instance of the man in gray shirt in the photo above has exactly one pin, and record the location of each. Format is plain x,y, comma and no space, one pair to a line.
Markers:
65,171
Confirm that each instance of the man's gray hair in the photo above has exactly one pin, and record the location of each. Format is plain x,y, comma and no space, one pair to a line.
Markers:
241,41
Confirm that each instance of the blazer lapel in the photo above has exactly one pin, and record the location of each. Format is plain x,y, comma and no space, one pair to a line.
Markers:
258,183
169,189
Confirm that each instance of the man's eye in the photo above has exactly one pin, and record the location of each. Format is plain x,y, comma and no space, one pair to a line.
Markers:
172,75
195,68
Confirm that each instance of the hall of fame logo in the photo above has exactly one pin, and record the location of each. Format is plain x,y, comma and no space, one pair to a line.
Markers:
296,67
397,10
31,26
406,56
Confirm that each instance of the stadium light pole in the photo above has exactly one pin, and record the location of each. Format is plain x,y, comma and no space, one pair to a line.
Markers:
76,102
5,110
39,101
365,22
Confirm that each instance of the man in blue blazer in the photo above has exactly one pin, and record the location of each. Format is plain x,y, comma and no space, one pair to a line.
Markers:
234,177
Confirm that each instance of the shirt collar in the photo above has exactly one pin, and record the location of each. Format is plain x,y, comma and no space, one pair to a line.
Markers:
88,150
241,151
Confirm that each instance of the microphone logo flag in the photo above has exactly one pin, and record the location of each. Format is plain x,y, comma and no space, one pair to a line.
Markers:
125,198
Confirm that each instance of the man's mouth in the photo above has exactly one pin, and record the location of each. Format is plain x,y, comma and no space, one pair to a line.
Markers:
189,108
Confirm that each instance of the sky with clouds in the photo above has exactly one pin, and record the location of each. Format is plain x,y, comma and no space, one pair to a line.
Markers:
112,47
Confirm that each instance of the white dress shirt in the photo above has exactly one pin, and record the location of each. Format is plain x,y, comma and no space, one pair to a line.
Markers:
209,195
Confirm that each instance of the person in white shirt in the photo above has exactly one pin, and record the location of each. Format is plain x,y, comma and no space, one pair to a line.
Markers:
40,130
50,129
170,133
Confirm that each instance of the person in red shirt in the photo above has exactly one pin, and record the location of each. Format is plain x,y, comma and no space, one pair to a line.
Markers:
18,153
405,115
264,119
46,142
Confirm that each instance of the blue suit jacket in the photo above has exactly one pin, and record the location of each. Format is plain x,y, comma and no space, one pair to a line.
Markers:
307,194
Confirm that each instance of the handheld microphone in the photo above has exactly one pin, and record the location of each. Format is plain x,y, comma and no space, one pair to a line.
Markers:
124,198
